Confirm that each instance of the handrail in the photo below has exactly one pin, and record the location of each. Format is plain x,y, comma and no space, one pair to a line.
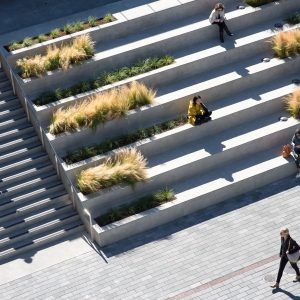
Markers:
90,221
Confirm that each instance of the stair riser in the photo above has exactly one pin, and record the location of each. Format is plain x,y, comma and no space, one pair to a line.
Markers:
160,47
10,147
27,199
160,217
31,235
61,207
11,114
5,94
21,155
39,172
17,252
12,124
6,172
18,191
172,109
10,136
8,103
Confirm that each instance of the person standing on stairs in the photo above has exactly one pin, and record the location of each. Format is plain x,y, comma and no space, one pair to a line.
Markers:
288,246
217,17
198,112
296,150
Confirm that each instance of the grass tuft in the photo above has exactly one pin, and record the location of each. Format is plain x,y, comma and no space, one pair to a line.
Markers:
256,3
293,104
143,204
126,166
286,43
101,108
81,48
294,19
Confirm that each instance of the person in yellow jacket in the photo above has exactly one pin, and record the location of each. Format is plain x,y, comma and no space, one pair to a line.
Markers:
198,113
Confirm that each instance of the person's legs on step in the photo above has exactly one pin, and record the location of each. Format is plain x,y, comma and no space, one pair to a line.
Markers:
221,34
226,29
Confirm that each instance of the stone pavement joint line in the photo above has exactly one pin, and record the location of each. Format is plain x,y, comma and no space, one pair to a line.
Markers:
224,278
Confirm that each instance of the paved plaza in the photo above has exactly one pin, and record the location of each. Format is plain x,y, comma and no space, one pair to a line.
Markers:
229,251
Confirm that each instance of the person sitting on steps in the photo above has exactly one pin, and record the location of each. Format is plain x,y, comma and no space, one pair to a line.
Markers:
198,112
296,150
217,17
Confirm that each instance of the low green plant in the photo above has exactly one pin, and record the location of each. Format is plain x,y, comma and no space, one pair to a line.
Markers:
140,67
92,21
68,28
15,46
42,38
256,3
27,42
125,166
294,19
54,33
121,141
78,26
293,104
108,18
162,196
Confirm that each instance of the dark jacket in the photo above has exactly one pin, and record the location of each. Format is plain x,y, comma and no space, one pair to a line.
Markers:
288,244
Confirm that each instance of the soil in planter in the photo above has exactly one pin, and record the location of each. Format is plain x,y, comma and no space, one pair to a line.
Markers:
143,204
47,36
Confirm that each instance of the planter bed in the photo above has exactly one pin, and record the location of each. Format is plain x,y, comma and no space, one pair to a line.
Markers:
59,32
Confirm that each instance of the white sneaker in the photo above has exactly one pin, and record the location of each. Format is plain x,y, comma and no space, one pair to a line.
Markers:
298,175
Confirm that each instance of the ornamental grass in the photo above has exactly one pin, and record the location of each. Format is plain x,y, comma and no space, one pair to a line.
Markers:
286,43
81,48
293,104
125,166
102,107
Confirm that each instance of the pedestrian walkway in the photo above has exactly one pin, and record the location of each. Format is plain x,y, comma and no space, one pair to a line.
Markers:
225,252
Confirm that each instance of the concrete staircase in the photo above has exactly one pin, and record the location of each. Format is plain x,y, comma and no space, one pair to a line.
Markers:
238,151
34,206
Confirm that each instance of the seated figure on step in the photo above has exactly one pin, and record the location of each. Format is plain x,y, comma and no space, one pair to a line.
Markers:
296,150
198,113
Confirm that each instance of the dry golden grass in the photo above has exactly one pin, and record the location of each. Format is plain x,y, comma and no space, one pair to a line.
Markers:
101,108
79,49
286,43
126,166
293,104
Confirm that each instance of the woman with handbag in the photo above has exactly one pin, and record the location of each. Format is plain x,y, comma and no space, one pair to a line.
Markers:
198,112
289,251
217,17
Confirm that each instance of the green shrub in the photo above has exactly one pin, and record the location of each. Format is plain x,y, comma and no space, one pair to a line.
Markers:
92,21
55,33
107,78
68,28
121,141
15,46
108,18
143,204
256,3
42,38
78,26
294,19
27,42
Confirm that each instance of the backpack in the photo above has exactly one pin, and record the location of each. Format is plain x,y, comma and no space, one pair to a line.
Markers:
286,151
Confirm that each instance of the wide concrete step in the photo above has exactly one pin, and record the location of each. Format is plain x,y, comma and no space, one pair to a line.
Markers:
224,182
13,113
36,181
39,229
21,164
16,133
30,196
47,202
43,239
5,85
159,44
22,152
19,143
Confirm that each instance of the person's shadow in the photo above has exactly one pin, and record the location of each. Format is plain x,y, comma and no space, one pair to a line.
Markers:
289,294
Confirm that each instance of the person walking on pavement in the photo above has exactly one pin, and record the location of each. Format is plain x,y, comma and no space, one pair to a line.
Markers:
288,246
217,17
